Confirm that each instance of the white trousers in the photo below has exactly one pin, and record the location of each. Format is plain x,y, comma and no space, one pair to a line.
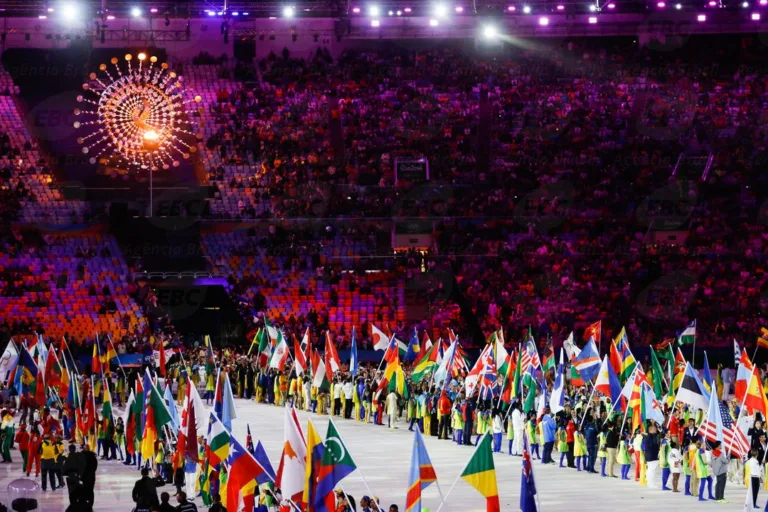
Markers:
650,473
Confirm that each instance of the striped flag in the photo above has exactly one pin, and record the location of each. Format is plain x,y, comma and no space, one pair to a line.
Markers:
762,340
719,426
422,474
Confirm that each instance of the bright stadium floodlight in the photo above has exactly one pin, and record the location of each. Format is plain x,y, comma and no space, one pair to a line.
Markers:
592,20
135,12
543,21
433,23
527,9
288,11
678,6
70,12
701,18
745,4
441,11
490,32
755,16
592,8
375,23
374,11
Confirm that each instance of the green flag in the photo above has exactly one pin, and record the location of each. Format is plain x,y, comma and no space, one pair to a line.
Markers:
658,374
516,378
530,397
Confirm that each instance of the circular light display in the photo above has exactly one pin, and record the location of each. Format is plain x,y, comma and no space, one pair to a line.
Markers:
136,115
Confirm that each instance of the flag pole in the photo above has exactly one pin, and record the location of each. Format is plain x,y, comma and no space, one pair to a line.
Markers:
458,477
589,405
74,363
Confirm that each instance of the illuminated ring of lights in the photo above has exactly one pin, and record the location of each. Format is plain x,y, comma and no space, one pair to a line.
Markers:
138,116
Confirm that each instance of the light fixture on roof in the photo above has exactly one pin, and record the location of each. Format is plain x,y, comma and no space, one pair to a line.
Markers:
70,12
433,23
459,9
543,21
289,11
135,12
375,23
440,10
490,32
527,9
592,8
592,20
678,6
374,11
701,18
755,16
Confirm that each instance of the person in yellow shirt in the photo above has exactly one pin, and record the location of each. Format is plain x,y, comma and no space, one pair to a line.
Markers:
49,453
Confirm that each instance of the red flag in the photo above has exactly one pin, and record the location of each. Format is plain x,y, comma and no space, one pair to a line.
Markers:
332,361
190,449
96,360
615,359
593,331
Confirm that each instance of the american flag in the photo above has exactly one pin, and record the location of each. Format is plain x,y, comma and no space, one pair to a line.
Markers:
734,439
529,360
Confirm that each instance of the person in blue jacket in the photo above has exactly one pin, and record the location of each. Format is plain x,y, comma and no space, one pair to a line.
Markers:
591,437
548,430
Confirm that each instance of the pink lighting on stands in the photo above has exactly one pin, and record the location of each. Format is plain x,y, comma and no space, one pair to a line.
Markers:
459,9
110,18
561,7
592,20
661,5
511,8
375,23
611,6
50,9
42,17
701,17
712,3
153,10
755,16
407,9
356,10
543,21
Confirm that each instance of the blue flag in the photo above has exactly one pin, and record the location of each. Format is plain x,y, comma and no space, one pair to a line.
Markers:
261,457
175,418
353,361
413,348
527,482
707,374
588,361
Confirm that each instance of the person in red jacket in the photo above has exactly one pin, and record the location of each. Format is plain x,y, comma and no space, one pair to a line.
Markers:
570,430
49,423
26,406
35,441
22,439
444,412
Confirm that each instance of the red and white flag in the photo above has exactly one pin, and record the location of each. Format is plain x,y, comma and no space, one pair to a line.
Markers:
292,470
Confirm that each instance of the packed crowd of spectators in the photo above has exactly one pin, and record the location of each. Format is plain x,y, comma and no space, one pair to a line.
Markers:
546,197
